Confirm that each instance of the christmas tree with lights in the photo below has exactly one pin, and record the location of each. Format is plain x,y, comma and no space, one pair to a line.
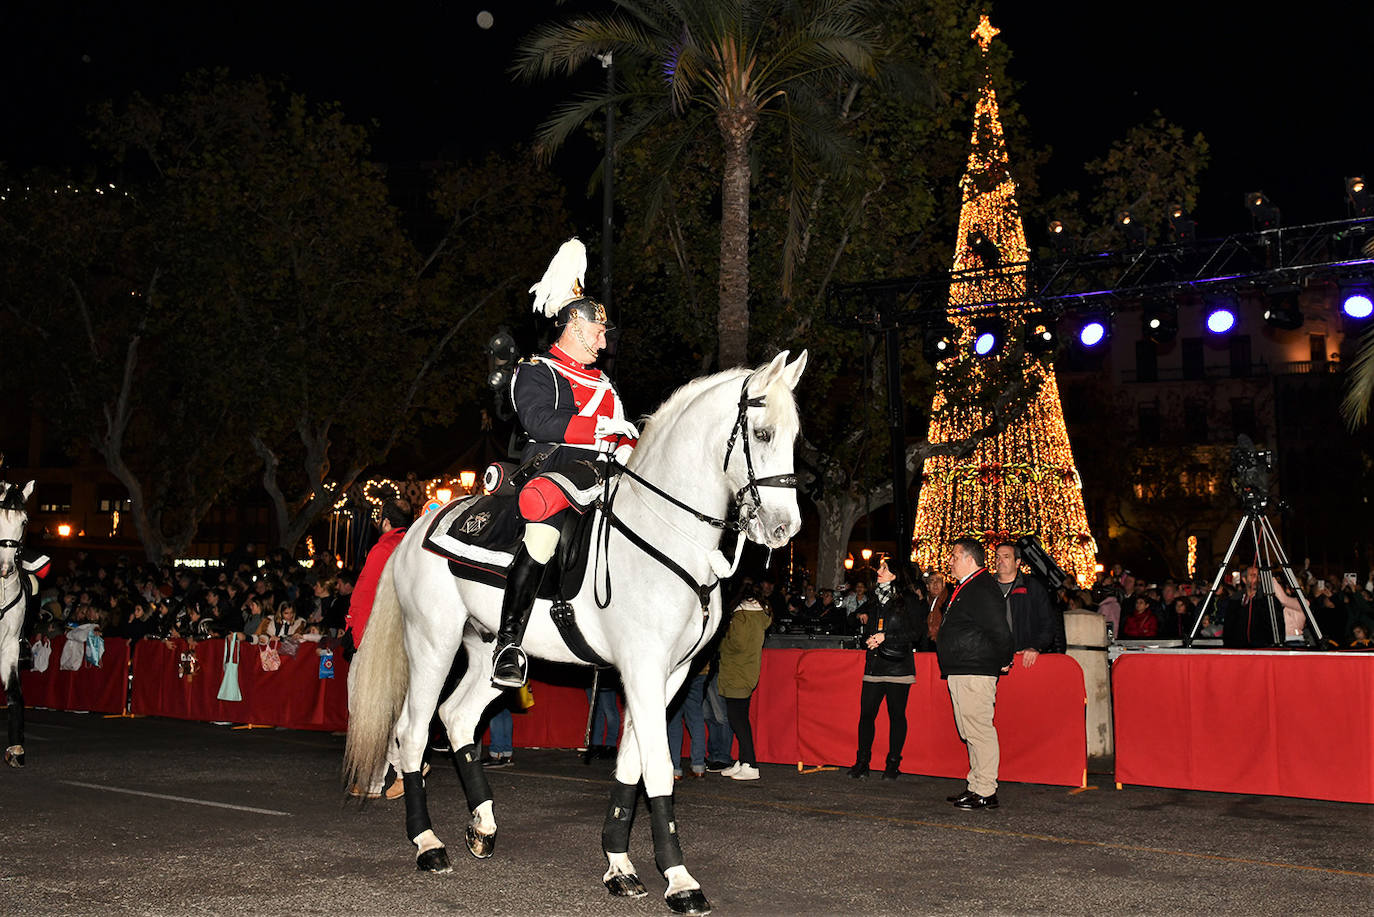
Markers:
1021,481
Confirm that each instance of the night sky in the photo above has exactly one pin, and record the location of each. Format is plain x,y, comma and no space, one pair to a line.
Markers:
1281,94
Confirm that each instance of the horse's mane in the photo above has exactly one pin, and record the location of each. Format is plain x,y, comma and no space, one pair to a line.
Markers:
779,413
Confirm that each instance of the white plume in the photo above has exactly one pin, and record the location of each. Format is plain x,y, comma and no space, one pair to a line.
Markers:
563,279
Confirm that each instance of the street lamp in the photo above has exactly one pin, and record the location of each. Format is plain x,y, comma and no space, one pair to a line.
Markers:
467,479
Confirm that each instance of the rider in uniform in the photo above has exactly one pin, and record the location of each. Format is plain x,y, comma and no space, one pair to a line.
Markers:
575,420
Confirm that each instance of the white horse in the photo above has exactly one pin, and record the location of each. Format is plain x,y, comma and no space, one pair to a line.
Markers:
13,520
721,440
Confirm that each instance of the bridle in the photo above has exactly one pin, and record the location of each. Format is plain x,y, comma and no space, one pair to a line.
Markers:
17,545
744,511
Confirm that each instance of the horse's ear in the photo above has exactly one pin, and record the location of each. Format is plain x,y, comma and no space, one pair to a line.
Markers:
793,370
765,376
28,491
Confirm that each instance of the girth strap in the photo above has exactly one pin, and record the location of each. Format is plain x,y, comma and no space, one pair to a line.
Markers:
566,621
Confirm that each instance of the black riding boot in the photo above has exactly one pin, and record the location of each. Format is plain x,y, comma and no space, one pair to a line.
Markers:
894,767
522,585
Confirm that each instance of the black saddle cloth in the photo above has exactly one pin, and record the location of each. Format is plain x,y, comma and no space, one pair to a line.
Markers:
492,526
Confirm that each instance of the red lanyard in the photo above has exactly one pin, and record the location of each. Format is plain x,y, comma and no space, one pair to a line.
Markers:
964,583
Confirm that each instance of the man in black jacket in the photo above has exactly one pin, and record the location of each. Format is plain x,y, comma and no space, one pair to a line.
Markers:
1032,617
974,647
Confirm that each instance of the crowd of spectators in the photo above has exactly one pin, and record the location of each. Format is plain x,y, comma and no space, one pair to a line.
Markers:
280,599
1135,607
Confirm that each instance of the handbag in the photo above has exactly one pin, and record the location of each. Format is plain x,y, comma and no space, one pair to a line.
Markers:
268,655
289,645
42,654
326,664
526,697
229,684
95,649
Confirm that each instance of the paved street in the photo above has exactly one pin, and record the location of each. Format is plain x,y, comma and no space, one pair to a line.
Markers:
151,816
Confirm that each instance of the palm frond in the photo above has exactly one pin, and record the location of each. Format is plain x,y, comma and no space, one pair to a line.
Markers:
570,116
1360,387
562,47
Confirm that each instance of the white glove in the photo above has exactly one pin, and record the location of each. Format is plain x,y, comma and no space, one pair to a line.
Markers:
622,453
607,427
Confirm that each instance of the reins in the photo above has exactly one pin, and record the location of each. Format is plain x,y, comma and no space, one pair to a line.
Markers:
743,512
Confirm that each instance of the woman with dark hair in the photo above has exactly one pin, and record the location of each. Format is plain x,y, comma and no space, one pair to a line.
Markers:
895,620
741,661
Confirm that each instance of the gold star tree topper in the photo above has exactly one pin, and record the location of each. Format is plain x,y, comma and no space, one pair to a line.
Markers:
984,33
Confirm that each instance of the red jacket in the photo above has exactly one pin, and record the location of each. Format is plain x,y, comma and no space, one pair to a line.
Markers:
365,590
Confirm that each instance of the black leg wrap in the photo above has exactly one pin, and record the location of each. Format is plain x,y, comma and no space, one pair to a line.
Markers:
620,818
473,776
417,807
667,851
15,696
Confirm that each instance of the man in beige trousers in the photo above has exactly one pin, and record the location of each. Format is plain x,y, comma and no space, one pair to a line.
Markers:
974,648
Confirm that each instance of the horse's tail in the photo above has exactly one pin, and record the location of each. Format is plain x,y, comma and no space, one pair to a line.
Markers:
378,680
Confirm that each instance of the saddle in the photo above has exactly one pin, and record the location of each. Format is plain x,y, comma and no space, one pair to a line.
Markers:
479,536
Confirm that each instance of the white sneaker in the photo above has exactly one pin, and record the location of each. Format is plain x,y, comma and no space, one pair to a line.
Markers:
746,772
732,770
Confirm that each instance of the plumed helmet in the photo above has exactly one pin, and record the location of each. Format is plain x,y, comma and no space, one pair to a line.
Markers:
588,308
559,292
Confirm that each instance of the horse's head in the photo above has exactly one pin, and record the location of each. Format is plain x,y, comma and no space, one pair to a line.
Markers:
13,520
759,458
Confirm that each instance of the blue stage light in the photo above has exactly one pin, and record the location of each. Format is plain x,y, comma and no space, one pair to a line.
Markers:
1093,332
988,335
1358,305
1221,320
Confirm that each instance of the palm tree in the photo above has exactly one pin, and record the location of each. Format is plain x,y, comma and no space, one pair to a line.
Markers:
732,61
1360,389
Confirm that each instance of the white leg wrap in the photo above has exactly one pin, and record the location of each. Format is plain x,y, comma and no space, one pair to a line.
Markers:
541,541
426,840
483,819
679,879
620,865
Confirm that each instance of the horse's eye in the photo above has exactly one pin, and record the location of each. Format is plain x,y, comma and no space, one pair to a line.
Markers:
763,435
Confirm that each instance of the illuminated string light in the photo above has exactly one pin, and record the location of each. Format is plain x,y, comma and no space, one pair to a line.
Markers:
1022,481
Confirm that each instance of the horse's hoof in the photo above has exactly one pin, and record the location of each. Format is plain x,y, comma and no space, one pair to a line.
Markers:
433,860
625,886
481,845
688,901
14,756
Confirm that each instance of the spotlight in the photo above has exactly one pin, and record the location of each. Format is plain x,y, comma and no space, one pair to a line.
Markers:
1182,225
1221,316
984,248
1061,240
1356,303
1262,210
1131,229
1096,327
1358,194
988,336
940,340
1283,311
1159,320
1040,333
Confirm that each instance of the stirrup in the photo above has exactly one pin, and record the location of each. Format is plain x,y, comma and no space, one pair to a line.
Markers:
521,662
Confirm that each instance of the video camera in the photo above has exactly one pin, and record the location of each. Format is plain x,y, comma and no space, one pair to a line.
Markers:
1250,469
1041,563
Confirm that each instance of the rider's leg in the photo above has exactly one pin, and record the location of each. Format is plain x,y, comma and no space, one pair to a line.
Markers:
522,585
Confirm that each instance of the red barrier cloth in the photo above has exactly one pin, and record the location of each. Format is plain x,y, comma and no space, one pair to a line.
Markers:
1275,723
293,696
1040,718
101,689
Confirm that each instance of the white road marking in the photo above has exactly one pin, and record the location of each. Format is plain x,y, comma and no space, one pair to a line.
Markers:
197,802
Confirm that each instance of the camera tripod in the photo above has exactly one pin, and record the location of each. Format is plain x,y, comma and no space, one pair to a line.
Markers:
1269,557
